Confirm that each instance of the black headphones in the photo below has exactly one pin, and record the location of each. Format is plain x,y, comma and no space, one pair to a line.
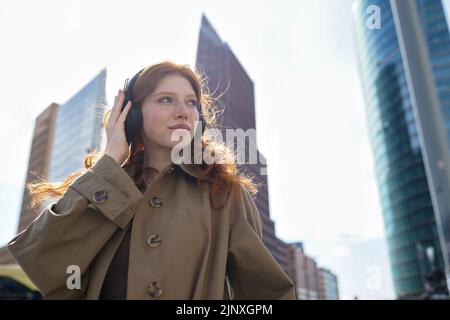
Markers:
134,122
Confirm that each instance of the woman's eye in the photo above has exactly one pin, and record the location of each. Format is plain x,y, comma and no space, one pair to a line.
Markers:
194,102
169,99
165,98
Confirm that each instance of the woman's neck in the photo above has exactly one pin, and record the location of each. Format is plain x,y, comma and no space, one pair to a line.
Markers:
157,158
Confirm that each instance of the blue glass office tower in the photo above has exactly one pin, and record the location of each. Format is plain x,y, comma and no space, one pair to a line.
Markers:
78,128
402,182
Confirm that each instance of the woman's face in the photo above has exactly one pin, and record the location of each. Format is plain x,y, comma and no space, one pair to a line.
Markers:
172,103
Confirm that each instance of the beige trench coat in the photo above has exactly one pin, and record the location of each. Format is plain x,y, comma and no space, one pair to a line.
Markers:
203,254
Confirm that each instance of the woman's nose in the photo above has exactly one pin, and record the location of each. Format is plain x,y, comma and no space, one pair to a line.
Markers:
182,109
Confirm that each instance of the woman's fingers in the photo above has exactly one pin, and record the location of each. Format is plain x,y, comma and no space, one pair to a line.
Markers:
118,101
123,115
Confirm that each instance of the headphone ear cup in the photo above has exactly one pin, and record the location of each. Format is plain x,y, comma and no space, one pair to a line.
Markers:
133,123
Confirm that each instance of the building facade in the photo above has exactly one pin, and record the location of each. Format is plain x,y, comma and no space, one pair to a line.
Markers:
38,164
229,80
78,128
408,214
304,272
328,285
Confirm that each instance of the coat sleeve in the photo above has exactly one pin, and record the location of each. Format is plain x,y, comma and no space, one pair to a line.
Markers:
253,272
72,230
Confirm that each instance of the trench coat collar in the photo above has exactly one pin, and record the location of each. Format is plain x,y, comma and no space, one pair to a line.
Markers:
193,170
190,169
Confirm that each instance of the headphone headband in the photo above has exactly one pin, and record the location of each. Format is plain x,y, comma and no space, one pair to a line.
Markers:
128,85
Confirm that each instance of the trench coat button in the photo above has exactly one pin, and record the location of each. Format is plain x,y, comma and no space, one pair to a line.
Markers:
100,196
154,240
154,289
156,202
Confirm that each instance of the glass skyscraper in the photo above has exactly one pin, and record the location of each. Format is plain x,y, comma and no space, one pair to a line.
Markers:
78,128
408,214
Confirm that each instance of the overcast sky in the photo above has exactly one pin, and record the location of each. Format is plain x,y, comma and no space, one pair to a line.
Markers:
309,106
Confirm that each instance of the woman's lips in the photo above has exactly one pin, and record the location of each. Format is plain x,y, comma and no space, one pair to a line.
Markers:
180,126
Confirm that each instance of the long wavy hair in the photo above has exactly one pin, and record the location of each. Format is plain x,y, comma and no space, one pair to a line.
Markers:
224,173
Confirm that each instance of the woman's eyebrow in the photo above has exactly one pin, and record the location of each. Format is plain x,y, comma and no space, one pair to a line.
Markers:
174,94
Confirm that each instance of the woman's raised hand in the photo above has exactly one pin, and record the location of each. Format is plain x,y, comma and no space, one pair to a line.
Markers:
116,142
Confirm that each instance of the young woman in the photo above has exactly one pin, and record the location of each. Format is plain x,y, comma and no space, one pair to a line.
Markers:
134,225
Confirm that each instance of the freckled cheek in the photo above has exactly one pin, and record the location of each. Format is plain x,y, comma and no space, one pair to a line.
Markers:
155,122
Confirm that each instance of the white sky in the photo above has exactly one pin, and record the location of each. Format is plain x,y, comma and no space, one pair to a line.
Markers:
309,107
